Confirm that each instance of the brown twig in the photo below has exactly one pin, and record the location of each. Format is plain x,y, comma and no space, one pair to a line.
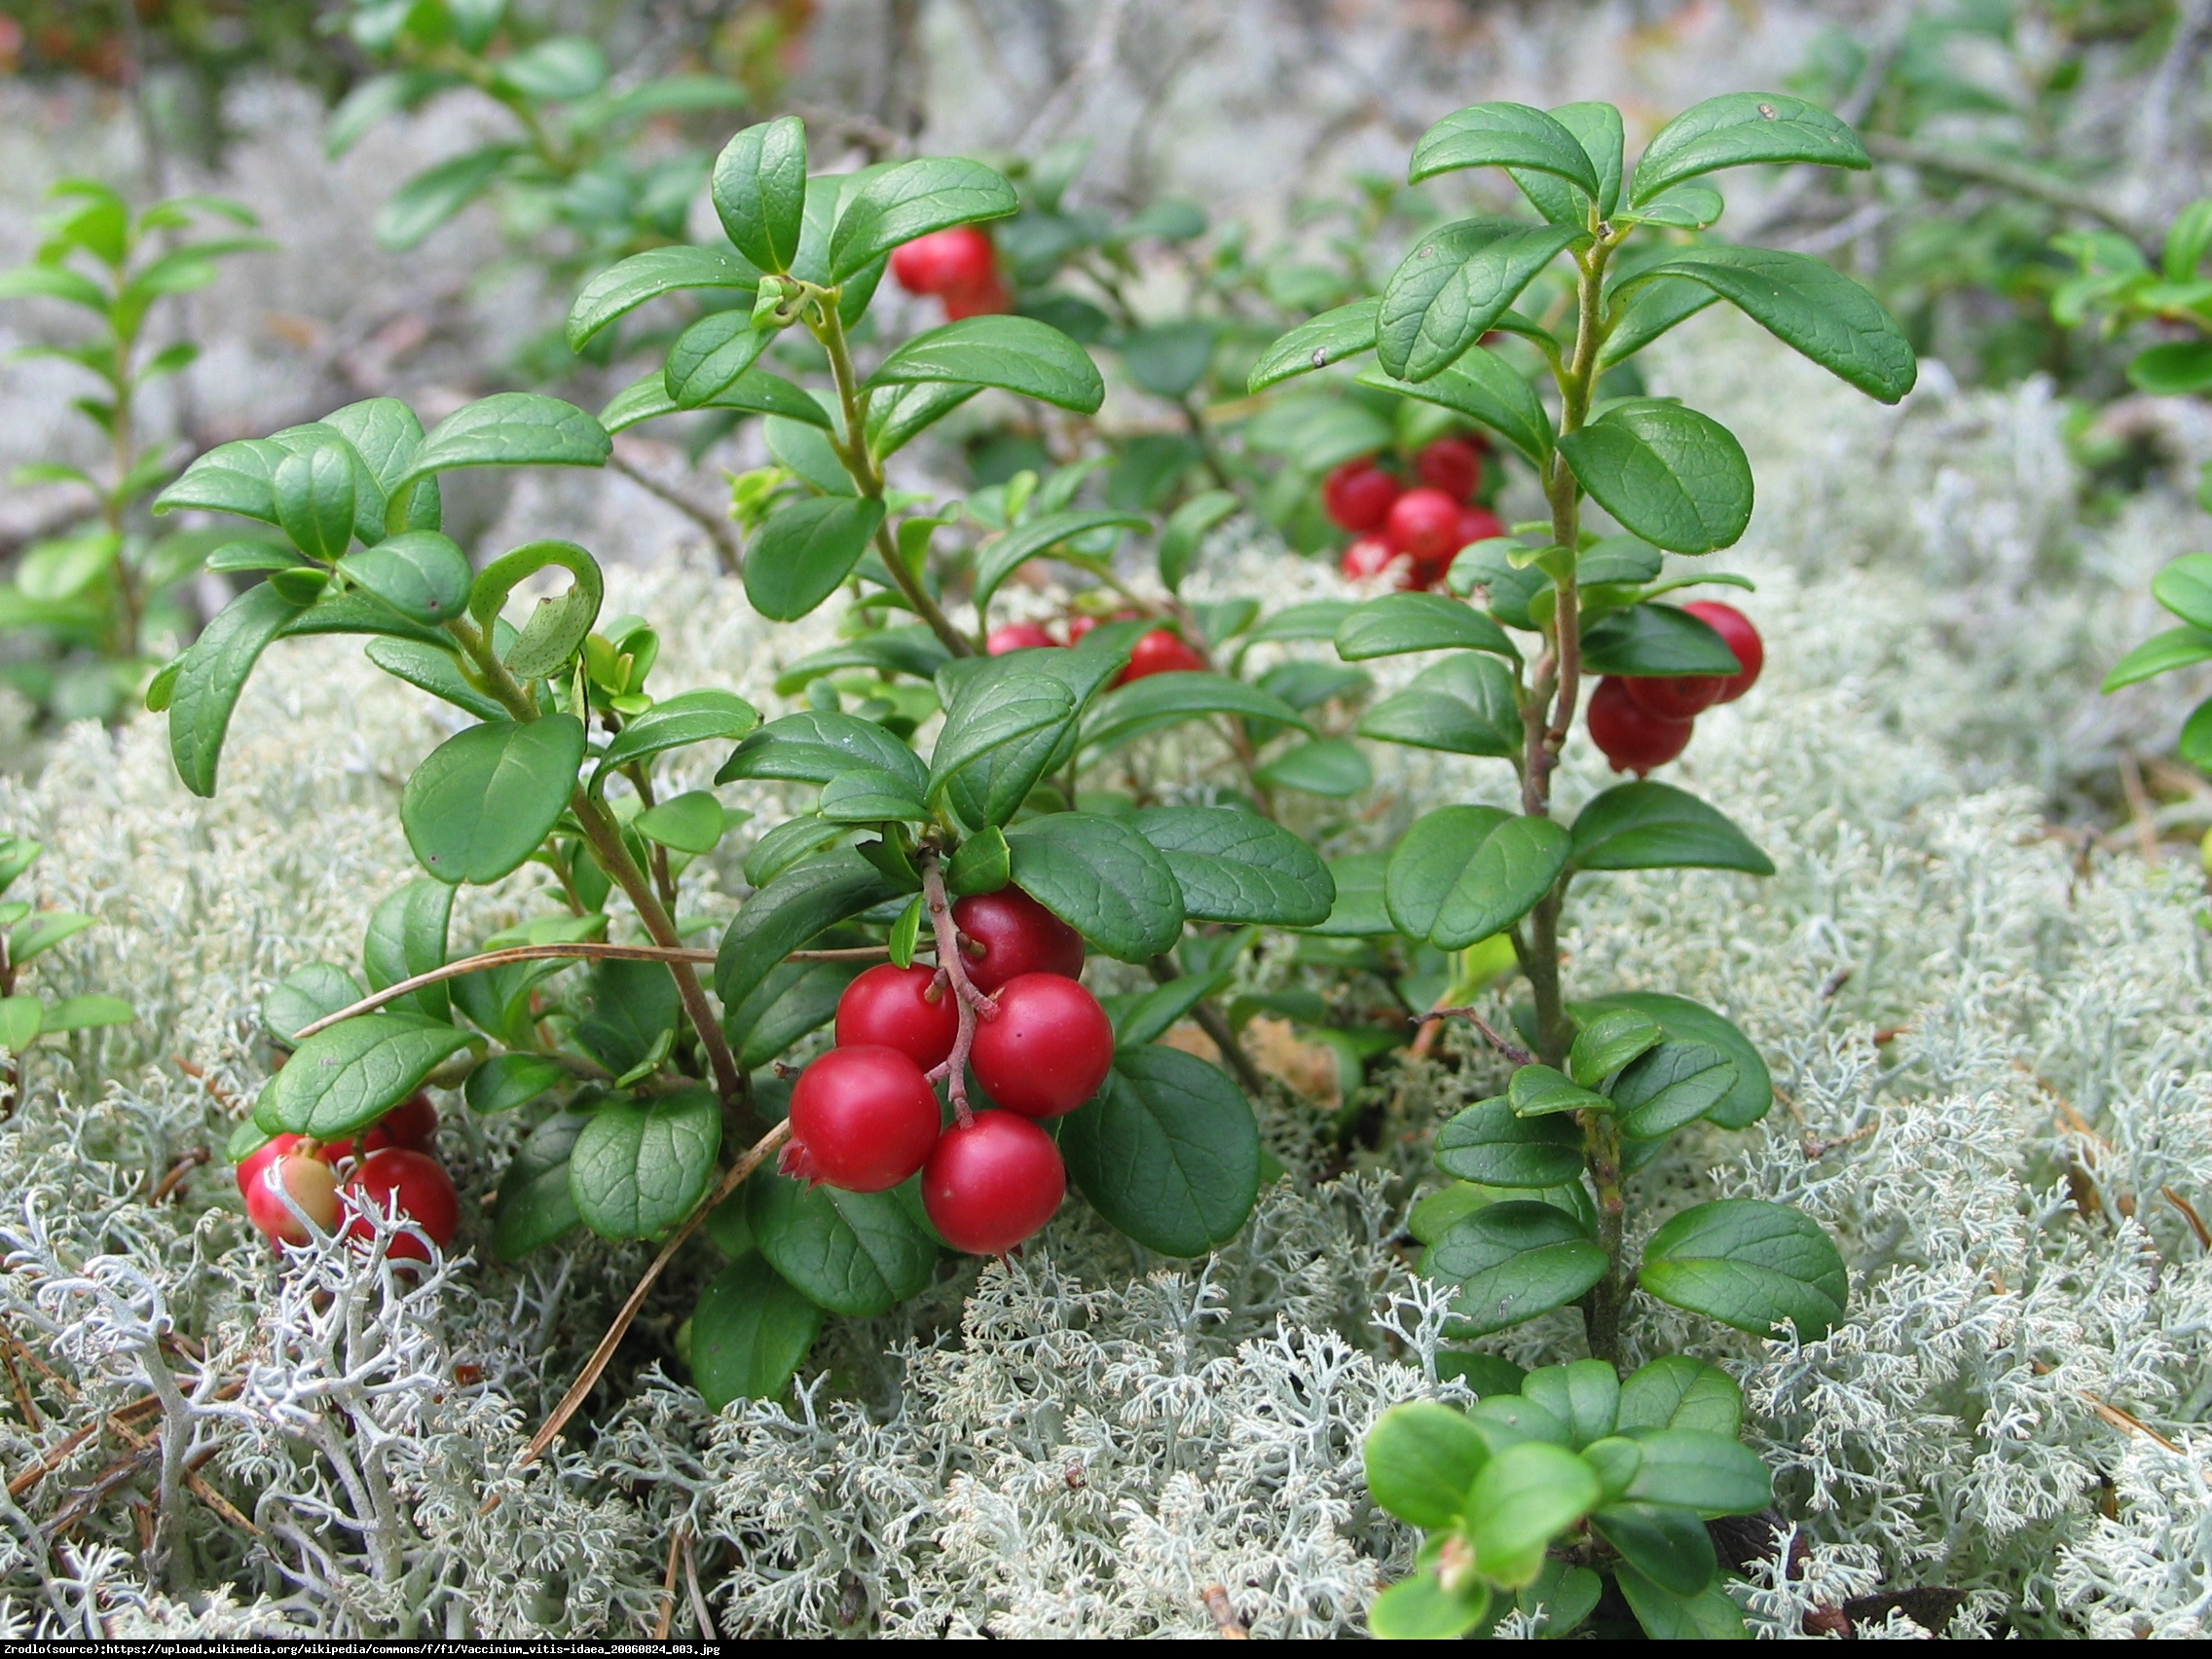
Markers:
952,968
1226,1623
1511,1052
753,1156
183,1166
23,1392
668,1586
52,1461
2138,806
222,1096
699,1610
718,529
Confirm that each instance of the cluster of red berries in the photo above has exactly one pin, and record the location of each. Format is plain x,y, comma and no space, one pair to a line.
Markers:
864,1116
1643,721
1418,530
332,1183
959,266
1162,650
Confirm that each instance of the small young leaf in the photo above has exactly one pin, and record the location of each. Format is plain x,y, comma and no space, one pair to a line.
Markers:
1540,1092
751,1331
1015,353
484,798
759,190
1524,1497
1743,130
896,417
690,823
1421,1460
983,864
1686,1021
1584,1394
559,70
1455,284
1420,1610
1329,338
1677,1391
21,1018
1167,1151
1648,825
1650,309
1669,474
805,551
638,1169
419,573
755,391
1750,1264
2162,653
348,1077
42,930
2184,588
1100,878
1609,1043
859,1254
1504,136
83,1012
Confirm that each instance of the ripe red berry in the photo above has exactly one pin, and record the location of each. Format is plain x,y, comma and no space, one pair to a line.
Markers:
1017,936
1357,496
1048,1051
899,1007
1084,622
1674,696
1424,522
1160,651
942,261
992,1182
312,1187
1016,637
412,1184
261,1158
1743,639
987,298
863,1118
1478,524
1452,466
1631,737
414,1123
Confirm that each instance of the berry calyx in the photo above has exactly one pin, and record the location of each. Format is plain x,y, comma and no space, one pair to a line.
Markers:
863,1118
1369,557
1452,466
1630,736
1015,935
993,1183
1733,626
1016,637
406,1183
1048,1049
1674,696
1160,651
1357,496
944,261
906,1008
311,1185
1426,524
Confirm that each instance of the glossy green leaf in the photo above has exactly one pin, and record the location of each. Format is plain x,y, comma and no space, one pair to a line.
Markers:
866,796
1465,872
989,789
755,391
1420,1460
1665,1542
1102,878
812,746
789,910
1402,622
535,1205
1167,1151
805,551
21,1018
1596,127
1710,1473
1329,338
2175,369
1541,1091
1686,1021
1237,867
346,1078
211,674
1525,1496
505,1081
1584,1394
1677,1391
1513,1261
306,995
622,288
1743,130
1649,825
1682,207
84,1012
1670,1085
2184,588
1504,136
1186,529
1650,309
1750,1264
1315,619
689,823
638,1168
797,998
911,199
558,70
999,557
313,496
434,195
900,414
625,1011
1710,1616
42,930
1359,911
859,1254
2162,653
1420,1610
1152,1014
751,1331
759,190
2195,742
1510,1420
1482,386
419,573
509,428
1015,353
1810,306
1669,474
407,936
481,802
1455,284
1655,640
1463,705
1011,707
1609,1041
1329,767
710,355
1161,700
675,722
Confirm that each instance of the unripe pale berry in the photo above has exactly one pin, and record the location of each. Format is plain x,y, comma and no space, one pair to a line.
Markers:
414,1185
1631,737
1017,936
311,1185
261,1158
993,1183
1357,496
1369,557
906,1008
1047,1051
1733,626
863,1118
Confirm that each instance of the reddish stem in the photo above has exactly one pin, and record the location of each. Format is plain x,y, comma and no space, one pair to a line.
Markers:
952,965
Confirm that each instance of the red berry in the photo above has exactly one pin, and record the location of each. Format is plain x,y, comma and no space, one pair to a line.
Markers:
412,1184
1018,936
992,1182
1048,1051
1452,466
944,260
312,1187
414,1123
1082,624
1478,524
1743,639
1674,696
1358,494
1160,651
1424,522
1369,557
863,1118
1633,739
987,298
1016,637
261,1158
902,1009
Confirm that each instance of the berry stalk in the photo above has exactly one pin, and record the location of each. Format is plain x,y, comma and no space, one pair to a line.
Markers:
953,966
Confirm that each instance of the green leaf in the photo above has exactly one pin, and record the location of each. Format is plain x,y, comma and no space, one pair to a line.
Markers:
53,283
896,417
359,612
1504,136
1710,1473
559,70
1463,705
407,936
1402,622
678,721
625,1010
789,910
434,195
1686,207
1359,911
690,823
536,1206
1237,867
1509,1420
2162,653
419,573
1677,1391
1525,1496
797,998
1666,1543
212,673
1669,474
2174,369
1101,878
1167,1151
434,671
306,995
622,288
43,930
1156,1011
909,650
751,1331
1610,1042
1330,767
859,1254
759,190
1316,620
1465,872
1596,127
1017,706
1186,529
1420,1610
2184,588
999,557
982,864
1329,338
1421,1460
1673,1085
1584,1394
484,798
1809,306
313,496
1161,700
1482,386
1650,309
21,1018
1648,825
386,434
1455,284
1750,1264
83,1012
866,796
2195,743
509,428
1743,130
1015,353
348,1077
1710,1616
710,355
1540,1092
640,1169
505,1081
989,789
1655,640
755,391
805,551
812,746
1169,359
1686,1021
1513,1261
911,199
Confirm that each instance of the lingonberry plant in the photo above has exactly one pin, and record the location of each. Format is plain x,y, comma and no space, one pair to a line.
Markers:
97,596
1577,1471
968,856
29,932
